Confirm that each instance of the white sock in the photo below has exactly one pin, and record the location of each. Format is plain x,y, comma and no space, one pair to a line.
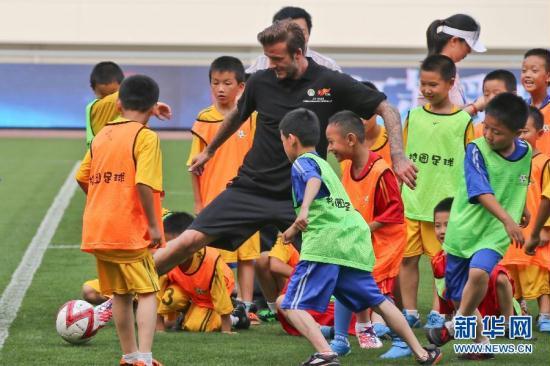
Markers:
484,340
247,305
544,316
234,320
361,326
412,312
146,357
131,357
272,307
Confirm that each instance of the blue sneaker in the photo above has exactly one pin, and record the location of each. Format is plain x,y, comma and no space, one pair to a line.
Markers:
340,345
328,332
399,349
414,321
544,324
435,320
381,330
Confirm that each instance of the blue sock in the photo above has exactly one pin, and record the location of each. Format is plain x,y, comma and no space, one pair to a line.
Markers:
342,318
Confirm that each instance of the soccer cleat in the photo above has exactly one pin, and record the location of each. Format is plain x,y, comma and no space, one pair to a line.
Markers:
382,331
476,356
138,363
104,313
414,321
434,356
435,320
340,345
327,331
367,338
266,315
319,359
243,321
544,323
438,336
399,349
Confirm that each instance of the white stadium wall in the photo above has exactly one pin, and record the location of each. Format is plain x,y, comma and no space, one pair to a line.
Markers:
345,29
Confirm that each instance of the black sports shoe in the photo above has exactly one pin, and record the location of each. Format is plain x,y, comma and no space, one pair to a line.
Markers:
434,356
318,359
438,336
240,312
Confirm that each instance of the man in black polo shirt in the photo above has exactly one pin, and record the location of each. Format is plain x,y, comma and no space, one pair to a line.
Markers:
260,195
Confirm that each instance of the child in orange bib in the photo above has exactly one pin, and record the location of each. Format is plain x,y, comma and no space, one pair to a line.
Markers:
122,176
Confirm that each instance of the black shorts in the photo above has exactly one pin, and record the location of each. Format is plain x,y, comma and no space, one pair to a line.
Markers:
238,212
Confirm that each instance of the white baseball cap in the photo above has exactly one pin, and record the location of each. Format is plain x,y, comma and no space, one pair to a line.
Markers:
471,37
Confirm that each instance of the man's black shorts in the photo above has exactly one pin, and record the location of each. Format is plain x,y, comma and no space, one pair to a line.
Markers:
240,211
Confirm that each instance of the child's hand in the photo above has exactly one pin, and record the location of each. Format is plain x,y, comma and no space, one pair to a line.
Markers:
162,111
480,103
289,234
156,237
198,207
514,232
197,164
302,221
531,246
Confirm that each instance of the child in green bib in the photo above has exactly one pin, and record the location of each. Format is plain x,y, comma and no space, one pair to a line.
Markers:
488,205
337,256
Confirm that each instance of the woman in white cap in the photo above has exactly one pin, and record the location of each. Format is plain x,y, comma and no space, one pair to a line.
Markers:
454,37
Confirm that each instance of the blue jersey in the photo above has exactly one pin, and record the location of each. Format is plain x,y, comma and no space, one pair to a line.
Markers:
304,169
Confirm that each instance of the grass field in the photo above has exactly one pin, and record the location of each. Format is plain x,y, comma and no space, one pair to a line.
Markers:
31,173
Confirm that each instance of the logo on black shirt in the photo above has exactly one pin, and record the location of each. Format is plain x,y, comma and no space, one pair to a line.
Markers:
322,95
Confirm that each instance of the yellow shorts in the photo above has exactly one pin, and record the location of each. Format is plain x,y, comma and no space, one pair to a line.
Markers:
286,253
197,318
94,284
139,277
421,239
530,282
249,250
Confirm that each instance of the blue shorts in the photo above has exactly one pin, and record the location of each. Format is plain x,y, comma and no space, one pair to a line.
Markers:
456,272
313,283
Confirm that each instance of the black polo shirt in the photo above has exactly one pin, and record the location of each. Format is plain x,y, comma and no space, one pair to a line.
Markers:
320,90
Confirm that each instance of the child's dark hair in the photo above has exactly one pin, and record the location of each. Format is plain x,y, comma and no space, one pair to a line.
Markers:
507,77
228,64
293,12
176,223
303,124
538,118
542,53
369,85
348,122
106,72
444,205
138,93
508,109
437,40
443,65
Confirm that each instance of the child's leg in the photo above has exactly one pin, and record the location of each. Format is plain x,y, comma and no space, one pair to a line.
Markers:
397,322
146,316
505,295
308,327
408,282
245,277
544,304
342,318
90,292
123,314
265,278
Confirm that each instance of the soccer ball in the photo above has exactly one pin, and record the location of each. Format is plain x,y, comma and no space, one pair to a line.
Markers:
76,322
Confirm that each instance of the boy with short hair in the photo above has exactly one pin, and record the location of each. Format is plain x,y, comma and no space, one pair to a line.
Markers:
499,299
494,83
435,137
535,78
122,176
226,77
374,192
487,207
336,255
200,287
530,273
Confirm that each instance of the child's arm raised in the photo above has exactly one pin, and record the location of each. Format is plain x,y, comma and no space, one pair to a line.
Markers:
145,194
512,228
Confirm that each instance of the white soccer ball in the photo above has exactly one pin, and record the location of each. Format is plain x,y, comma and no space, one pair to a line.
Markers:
76,322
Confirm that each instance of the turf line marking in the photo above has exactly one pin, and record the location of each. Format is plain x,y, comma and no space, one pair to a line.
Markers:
13,295
63,246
